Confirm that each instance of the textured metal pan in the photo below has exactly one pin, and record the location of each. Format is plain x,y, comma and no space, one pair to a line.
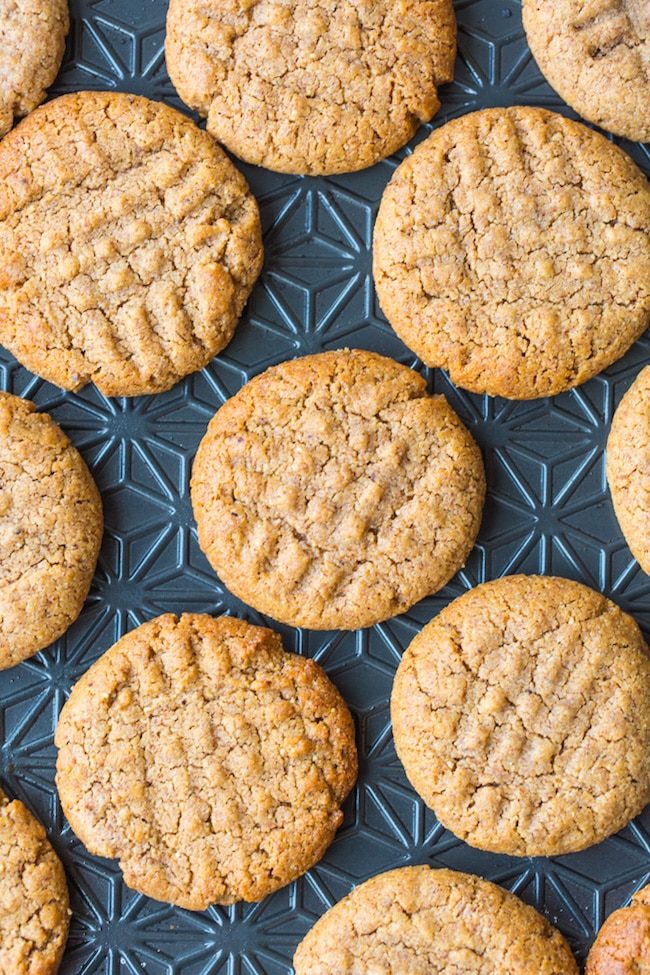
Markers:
548,511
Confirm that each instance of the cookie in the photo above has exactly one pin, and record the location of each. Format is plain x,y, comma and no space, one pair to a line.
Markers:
33,41
622,946
330,86
128,244
512,249
51,528
34,914
521,714
333,492
628,467
209,760
419,921
596,55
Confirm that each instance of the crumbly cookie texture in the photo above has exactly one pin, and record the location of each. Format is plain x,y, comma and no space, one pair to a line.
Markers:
521,716
209,760
596,55
333,492
628,467
34,915
33,41
622,946
419,921
512,249
129,244
326,86
51,529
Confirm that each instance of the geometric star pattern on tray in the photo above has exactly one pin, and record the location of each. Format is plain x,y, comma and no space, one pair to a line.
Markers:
548,510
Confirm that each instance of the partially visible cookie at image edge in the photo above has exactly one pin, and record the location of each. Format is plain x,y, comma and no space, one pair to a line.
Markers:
34,912
622,945
51,528
318,88
129,244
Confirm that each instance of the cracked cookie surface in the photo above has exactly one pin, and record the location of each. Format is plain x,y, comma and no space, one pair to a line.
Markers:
51,529
33,42
512,249
419,921
129,244
521,716
622,945
325,86
628,467
596,55
34,915
210,761
333,492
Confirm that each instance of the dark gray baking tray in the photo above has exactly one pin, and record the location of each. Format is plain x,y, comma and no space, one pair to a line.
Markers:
548,511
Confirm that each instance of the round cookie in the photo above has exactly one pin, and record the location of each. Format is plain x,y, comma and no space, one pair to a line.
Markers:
521,714
419,921
512,249
628,467
129,244
333,492
328,86
622,946
33,41
34,914
51,529
209,760
596,55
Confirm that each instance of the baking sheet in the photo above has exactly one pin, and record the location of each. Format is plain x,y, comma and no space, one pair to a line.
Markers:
548,511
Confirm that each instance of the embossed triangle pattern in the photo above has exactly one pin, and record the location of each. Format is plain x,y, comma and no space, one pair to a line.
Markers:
548,511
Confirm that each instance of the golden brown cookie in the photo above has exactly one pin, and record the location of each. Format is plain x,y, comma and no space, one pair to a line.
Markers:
209,760
328,86
419,921
128,244
51,528
596,55
333,492
521,714
512,249
33,41
34,914
628,467
622,946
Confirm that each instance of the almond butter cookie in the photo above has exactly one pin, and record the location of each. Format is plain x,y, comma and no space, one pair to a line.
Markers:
51,528
419,921
512,249
596,55
34,913
129,244
333,492
622,946
521,715
33,42
209,760
628,467
329,86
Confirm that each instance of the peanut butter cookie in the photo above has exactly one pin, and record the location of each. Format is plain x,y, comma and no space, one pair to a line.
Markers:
33,41
596,55
333,492
628,467
521,714
128,244
512,249
328,86
419,921
622,946
34,914
50,530
209,760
